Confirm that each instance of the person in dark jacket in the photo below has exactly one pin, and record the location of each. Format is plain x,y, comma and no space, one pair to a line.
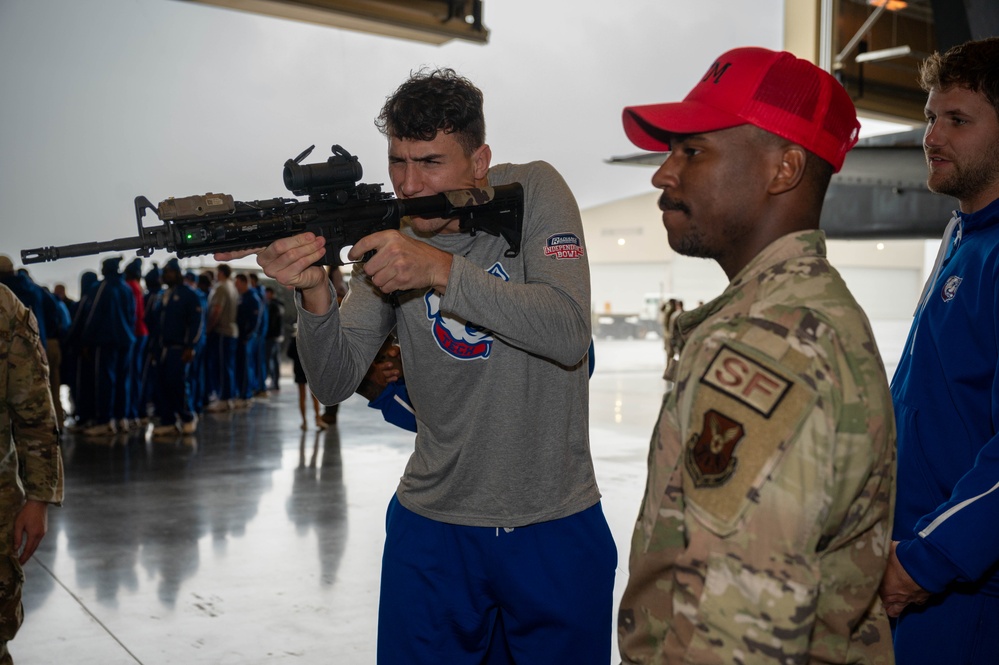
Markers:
248,322
180,327
133,273
80,357
197,370
109,329
147,372
259,352
26,291
274,339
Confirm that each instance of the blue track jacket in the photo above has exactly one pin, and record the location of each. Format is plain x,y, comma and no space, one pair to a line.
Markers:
946,398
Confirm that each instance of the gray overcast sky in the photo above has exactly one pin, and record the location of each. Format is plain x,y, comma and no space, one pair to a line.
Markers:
105,100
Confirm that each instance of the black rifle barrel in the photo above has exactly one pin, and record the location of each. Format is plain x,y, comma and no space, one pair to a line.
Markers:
82,249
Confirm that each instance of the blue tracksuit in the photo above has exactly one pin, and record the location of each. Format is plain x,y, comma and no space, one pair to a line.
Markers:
248,320
946,399
180,328
395,405
80,354
198,393
261,347
32,296
109,329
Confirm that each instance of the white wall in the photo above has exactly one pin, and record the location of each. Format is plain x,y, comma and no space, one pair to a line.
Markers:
884,293
621,287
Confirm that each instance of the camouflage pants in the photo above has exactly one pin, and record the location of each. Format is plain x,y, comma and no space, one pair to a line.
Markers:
11,581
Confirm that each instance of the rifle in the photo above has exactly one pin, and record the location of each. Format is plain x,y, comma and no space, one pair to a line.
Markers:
339,208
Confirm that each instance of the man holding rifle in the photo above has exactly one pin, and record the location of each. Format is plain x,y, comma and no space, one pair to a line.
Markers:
496,541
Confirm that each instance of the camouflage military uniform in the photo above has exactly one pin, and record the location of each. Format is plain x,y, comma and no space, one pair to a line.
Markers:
26,407
765,527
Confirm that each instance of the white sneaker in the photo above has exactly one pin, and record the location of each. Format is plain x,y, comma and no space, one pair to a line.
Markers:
124,425
105,429
219,406
165,430
189,428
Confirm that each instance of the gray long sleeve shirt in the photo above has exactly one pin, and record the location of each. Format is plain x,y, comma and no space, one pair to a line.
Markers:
496,367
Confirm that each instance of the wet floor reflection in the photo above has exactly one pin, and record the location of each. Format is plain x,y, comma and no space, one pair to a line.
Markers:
255,542
214,538
318,500
137,509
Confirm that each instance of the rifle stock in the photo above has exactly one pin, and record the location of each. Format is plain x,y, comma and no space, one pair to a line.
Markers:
337,209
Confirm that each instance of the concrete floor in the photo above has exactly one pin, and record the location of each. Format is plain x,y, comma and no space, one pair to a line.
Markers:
255,542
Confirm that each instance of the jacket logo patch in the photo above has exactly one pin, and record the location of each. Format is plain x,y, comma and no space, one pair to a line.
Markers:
710,455
949,289
564,246
746,381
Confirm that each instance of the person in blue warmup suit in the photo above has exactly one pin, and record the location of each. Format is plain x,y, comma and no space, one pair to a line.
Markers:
181,327
942,581
109,330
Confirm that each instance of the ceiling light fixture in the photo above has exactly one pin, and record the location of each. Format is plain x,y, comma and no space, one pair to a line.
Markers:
890,5
884,54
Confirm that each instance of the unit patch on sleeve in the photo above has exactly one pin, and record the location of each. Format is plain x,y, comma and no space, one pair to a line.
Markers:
746,414
564,246
710,458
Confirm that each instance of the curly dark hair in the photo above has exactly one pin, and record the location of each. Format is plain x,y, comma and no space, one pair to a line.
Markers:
973,65
432,101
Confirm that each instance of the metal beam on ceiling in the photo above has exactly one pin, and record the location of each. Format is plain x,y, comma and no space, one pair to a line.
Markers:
430,21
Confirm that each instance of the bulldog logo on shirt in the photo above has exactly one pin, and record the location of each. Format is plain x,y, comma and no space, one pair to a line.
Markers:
459,338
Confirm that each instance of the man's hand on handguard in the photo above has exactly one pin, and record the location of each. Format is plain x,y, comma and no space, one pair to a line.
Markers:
402,263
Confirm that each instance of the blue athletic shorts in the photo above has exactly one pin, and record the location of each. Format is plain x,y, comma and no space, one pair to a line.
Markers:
457,594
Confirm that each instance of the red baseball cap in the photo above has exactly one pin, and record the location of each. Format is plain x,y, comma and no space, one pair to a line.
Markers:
773,90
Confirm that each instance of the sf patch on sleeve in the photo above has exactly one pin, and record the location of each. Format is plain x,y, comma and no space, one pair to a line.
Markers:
746,413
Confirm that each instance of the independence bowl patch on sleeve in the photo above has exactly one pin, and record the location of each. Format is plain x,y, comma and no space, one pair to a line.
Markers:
564,246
